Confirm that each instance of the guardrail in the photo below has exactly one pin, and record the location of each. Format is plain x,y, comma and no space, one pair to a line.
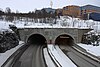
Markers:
88,55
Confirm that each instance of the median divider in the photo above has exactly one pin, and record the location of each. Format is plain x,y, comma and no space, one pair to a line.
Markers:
48,59
54,59
59,58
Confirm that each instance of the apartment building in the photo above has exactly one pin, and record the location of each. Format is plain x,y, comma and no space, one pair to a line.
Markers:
71,10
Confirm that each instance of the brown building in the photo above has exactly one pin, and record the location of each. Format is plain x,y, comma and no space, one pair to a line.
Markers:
71,10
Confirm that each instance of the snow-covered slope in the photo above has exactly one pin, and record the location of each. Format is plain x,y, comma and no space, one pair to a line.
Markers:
4,26
62,22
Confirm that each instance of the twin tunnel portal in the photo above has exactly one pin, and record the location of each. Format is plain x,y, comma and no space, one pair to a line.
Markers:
56,36
62,39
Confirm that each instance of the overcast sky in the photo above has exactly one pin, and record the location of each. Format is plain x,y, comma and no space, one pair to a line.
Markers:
30,5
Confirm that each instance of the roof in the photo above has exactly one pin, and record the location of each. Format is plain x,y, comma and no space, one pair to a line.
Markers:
95,16
90,7
49,10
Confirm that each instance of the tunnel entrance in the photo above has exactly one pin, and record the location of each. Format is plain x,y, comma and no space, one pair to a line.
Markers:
64,40
37,39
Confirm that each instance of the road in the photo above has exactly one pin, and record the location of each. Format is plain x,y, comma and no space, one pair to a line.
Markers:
32,57
79,59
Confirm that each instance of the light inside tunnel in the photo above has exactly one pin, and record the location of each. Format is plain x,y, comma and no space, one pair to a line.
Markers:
37,39
64,40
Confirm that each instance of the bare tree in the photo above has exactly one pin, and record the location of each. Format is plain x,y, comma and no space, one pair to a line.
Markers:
7,10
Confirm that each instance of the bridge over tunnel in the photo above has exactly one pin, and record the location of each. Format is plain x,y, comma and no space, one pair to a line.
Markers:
37,39
64,39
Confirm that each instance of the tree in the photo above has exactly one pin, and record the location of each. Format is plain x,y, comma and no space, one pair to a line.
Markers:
1,12
8,10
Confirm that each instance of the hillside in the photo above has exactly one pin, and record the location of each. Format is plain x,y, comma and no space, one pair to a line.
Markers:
90,7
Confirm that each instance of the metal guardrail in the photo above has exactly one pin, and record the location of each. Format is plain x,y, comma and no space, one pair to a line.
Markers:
88,55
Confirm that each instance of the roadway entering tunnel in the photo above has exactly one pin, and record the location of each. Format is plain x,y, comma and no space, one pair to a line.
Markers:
37,39
64,40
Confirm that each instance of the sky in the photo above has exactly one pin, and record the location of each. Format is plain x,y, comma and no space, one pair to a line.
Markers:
31,5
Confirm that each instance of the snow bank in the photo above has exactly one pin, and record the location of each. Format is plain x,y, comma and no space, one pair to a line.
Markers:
95,50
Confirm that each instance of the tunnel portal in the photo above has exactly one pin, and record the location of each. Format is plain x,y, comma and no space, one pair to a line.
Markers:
64,40
37,39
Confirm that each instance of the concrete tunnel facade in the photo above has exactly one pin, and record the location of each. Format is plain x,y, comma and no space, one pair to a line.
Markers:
51,35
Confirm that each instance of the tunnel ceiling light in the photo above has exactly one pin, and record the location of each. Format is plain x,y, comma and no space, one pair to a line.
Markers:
63,37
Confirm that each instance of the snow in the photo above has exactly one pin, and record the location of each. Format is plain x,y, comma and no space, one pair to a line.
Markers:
95,50
3,25
48,60
60,57
7,54
62,22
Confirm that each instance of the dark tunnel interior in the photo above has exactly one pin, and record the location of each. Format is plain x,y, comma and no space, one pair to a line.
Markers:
64,40
37,39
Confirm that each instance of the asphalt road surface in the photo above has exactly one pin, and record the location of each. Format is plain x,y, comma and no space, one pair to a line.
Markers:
79,59
32,57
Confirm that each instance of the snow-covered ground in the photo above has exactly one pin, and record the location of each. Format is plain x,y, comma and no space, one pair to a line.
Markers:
5,25
62,22
95,50
7,54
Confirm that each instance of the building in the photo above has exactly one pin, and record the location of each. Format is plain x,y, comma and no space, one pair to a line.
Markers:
87,9
77,11
71,10
90,8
